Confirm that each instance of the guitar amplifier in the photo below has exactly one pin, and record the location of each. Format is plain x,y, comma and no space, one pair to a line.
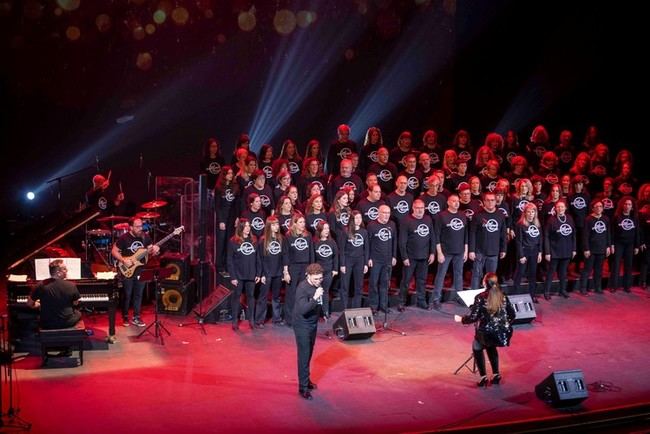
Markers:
179,263
177,298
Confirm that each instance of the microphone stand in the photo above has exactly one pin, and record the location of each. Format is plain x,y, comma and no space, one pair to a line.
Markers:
384,326
59,179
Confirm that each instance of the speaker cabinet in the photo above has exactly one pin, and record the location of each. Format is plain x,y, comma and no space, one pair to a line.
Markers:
216,306
524,308
563,388
355,324
176,298
180,265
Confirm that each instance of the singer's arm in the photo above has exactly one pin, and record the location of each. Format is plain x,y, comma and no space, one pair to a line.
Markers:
305,302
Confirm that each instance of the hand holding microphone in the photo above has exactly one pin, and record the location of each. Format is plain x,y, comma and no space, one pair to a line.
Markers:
318,295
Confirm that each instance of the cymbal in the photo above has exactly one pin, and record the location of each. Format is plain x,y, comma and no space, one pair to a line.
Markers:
154,204
147,215
113,218
121,227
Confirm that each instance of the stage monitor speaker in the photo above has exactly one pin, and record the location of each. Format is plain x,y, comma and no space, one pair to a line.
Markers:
563,388
179,263
216,306
355,324
524,308
176,298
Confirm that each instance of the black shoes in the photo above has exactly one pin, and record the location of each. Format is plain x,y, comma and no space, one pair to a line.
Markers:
564,294
401,308
627,290
496,378
484,382
235,327
306,394
312,386
535,300
547,297
423,305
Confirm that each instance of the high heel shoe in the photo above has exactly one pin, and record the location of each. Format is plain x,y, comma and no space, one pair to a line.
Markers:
496,378
484,382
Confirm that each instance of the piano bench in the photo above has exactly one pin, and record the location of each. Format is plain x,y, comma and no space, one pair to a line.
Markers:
67,338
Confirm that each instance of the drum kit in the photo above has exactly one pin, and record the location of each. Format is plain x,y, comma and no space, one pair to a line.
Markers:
114,226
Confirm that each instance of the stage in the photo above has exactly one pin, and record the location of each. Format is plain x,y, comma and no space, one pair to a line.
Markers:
247,381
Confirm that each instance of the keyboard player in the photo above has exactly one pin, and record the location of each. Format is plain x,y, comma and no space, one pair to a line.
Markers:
57,298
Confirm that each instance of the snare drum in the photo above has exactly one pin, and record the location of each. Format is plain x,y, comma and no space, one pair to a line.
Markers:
120,229
100,238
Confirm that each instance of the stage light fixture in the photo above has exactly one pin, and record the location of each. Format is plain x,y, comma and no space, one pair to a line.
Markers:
246,20
159,16
30,195
180,15
73,33
284,21
103,22
69,5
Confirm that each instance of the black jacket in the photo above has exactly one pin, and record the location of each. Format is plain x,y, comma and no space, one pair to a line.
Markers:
493,330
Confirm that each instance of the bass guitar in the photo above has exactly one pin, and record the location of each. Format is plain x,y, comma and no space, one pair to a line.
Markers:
141,256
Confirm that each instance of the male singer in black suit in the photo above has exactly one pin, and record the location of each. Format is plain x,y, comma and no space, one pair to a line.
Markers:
309,296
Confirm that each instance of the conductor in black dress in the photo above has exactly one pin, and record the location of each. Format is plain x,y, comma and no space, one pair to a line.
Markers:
308,304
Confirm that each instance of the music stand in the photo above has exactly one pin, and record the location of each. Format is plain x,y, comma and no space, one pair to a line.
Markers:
155,275
467,298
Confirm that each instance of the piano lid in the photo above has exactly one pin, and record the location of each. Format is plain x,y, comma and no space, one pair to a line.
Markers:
36,237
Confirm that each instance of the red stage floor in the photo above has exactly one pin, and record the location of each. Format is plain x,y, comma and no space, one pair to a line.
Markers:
246,382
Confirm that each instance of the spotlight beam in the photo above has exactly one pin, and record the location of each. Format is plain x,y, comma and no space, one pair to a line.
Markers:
299,66
425,46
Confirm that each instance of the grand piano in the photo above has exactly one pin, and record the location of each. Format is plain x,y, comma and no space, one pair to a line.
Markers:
95,293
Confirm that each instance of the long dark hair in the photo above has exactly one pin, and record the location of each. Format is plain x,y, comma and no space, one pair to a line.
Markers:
269,235
351,230
239,232
496,297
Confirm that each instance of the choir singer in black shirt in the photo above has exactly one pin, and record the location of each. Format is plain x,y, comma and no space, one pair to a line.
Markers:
308,305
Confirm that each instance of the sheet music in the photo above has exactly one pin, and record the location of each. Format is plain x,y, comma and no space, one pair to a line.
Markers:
468,295
42,267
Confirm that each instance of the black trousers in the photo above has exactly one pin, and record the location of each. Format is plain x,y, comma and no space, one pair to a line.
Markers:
235,304
273,284
595,262
625,252
305,345
562,266
493,356
353,274
419,268
64,324
530,270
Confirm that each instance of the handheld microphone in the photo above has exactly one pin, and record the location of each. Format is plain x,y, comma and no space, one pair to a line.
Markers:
320,297
97,162
149,181
140,160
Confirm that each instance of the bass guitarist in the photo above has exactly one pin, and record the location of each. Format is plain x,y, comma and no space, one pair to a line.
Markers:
123,250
